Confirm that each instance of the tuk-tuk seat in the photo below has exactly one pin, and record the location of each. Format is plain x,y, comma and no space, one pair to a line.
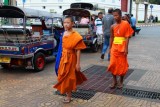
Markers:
16,35
14,31
46,32
83,29
2,36
82,25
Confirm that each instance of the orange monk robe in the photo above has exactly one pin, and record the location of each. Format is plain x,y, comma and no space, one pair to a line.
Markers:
118,61
68,77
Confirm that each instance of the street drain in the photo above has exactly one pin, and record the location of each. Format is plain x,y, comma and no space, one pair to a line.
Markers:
81,94
141,94
98,80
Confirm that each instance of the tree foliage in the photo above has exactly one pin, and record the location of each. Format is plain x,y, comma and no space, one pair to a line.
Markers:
154,1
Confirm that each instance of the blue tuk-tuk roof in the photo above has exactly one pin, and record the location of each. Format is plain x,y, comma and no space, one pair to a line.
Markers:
18,12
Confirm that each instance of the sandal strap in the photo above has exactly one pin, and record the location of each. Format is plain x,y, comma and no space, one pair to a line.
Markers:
66,101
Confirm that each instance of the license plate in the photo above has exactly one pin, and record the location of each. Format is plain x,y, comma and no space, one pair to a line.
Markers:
5,59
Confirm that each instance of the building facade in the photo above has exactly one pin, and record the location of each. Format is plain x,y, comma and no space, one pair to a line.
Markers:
58,6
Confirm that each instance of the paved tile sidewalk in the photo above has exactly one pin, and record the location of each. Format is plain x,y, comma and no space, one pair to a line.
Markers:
36,90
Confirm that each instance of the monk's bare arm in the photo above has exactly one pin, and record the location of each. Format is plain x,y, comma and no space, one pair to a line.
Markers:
78,60
127,43
111,37
78,56
126,47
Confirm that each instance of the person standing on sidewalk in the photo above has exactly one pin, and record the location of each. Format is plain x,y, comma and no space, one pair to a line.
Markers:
98,25
120,33
133,23
107,22
69,74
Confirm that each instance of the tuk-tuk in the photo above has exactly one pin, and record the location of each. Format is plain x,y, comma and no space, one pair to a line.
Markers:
21,46
86,30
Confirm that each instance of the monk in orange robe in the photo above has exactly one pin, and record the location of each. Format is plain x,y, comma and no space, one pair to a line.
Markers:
121,31
69,75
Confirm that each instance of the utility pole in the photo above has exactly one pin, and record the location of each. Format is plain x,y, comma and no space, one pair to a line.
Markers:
13,2
137,8
23,3
131,5
146,3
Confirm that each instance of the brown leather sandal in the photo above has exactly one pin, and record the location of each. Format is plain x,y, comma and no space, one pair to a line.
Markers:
67,100
120,86
113,86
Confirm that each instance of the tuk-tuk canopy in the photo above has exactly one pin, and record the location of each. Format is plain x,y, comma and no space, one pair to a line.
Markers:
79,12
16,12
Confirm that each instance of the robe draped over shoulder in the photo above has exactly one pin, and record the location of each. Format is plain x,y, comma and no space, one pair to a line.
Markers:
118,61
59,54
68,77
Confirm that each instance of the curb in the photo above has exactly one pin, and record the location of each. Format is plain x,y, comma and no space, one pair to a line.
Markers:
148,25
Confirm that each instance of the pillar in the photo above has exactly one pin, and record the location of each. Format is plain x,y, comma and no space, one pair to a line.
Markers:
146,13
137,8
124,5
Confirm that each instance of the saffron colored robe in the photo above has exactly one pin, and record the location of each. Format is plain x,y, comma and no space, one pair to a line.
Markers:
118,61
68,77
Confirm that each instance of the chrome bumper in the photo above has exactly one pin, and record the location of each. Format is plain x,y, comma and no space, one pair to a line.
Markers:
18,56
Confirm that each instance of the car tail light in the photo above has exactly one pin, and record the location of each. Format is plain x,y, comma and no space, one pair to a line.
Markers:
20,62
17,62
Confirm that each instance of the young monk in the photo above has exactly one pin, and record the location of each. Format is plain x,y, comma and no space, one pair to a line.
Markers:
120,33
69,75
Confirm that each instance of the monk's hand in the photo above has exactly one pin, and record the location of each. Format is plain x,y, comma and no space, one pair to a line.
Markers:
78,68
109,50
126,52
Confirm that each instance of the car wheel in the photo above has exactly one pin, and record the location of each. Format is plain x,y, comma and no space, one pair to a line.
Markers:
39,61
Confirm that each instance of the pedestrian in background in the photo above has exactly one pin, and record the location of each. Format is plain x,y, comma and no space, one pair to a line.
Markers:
120,33
133,23
84,20
126,17
99,31
69,75
156,18
107,21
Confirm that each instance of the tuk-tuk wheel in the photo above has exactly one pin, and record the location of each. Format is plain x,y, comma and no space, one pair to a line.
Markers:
39,61
95,47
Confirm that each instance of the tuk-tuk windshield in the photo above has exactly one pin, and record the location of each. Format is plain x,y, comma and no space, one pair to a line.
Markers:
56,22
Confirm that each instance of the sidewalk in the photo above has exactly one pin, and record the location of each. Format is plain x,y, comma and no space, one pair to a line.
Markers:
35,89
140,59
